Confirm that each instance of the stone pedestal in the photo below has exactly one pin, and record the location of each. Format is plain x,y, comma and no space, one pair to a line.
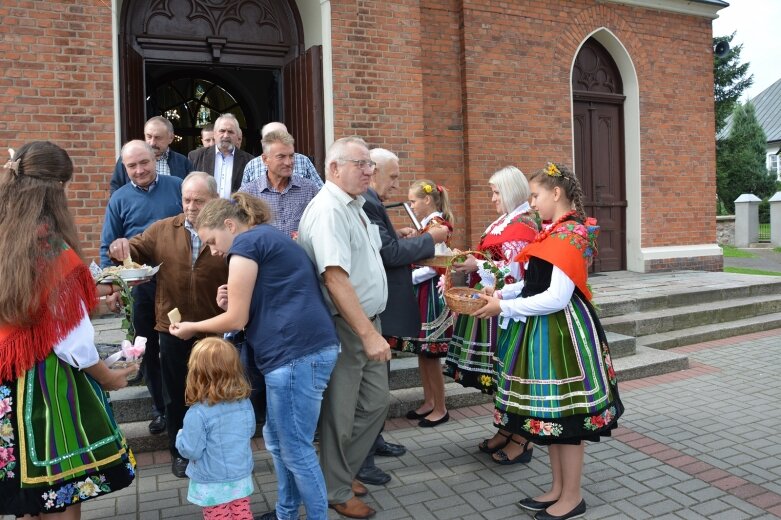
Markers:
775,219
746,220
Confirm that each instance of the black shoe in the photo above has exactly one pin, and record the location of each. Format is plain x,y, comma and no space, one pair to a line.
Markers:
374,476
390,450
178,466
157,426
425,423
266,516
577,512
532,505
500,457
413,415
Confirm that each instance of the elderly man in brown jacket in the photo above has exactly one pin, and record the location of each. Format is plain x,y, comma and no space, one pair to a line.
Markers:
188,280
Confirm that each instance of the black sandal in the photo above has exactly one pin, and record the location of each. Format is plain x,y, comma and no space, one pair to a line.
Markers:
523,457
483,446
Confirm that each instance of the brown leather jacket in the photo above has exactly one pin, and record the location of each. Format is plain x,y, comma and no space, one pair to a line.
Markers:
191,288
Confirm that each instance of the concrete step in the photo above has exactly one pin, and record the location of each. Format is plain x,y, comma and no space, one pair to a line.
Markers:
648,362
724,287
678,318
691,335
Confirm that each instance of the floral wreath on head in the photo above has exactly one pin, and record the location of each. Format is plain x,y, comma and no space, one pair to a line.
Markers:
552,170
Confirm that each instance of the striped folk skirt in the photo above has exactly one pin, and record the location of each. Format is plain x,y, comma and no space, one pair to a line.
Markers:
436,328
59,442
557,384
470,355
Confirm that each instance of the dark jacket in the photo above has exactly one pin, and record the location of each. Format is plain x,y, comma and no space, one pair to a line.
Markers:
179,164
203,160
401,317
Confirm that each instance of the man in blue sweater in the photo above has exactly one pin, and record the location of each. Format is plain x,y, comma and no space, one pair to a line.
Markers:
147,198
159,134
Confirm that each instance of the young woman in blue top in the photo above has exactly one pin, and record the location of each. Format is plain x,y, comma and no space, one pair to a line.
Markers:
273,294
217,431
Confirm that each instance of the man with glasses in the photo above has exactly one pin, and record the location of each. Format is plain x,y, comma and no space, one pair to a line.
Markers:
345,247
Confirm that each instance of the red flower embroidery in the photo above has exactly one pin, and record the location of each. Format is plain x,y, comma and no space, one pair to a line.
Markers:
509,279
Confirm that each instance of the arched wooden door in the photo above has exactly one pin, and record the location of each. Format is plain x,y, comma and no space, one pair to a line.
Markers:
252,50
598,123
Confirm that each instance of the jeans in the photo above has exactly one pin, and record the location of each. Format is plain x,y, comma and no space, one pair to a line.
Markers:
293,396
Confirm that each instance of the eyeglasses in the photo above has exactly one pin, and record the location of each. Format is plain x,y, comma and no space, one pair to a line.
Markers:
363,164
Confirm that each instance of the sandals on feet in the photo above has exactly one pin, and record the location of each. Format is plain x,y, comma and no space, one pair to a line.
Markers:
500,457
483,446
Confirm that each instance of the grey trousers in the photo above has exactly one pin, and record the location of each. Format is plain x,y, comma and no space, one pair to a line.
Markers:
355,405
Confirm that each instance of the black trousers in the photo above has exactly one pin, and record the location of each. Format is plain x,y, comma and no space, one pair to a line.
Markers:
144,323
174,354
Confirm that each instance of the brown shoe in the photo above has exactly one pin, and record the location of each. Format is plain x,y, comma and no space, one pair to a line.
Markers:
359,489
353,508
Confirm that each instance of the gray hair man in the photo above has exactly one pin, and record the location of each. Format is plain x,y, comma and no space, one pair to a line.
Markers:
188,279
224,160
345,247
286,194
302,166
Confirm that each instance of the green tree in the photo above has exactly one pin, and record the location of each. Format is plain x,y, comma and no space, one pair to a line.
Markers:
740,159
729,80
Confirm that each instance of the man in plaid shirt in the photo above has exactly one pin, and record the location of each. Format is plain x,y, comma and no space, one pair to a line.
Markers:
302,166
286,194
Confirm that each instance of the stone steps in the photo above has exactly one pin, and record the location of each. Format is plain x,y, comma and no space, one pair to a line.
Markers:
664,320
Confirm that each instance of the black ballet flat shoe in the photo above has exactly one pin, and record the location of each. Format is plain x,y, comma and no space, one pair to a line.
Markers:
522,458
412,415
483,446
578,511
425,423
533,505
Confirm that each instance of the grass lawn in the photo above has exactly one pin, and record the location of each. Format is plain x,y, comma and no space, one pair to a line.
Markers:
734,252
747,270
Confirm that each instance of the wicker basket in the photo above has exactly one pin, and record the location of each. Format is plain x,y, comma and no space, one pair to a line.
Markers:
441,261
463,300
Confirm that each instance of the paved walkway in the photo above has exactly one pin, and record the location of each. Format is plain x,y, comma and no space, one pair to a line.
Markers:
697,444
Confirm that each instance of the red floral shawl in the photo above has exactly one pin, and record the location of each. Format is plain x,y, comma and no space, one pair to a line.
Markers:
68,285
569,245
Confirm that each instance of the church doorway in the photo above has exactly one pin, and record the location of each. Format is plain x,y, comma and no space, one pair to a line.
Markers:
192,60
598,124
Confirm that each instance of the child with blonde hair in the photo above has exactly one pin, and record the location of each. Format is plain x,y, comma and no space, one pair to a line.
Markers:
217,431
431,205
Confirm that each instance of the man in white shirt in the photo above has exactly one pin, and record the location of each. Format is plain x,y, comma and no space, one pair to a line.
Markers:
225,160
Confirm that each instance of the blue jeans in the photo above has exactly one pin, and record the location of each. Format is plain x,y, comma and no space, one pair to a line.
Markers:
293,396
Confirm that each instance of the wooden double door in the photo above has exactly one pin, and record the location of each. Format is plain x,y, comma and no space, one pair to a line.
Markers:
247,54
598,124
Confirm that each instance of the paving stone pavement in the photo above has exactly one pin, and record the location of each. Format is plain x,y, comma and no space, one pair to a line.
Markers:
696,444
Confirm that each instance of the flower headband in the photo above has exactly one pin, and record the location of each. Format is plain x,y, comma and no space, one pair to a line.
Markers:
552,170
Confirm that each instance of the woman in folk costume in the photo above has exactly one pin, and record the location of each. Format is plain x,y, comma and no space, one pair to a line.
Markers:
59,443
557,385
469,359
431,205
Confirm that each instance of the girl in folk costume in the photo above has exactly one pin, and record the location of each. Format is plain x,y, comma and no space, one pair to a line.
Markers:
557,386
59,443
469,360
431,205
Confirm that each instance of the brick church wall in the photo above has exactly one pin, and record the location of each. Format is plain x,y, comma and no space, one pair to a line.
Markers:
57,85
469,86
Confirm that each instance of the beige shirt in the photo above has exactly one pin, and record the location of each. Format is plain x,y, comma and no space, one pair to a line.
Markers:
335,231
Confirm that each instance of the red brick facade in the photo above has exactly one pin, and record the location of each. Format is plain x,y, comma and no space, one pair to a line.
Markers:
458,88
57,85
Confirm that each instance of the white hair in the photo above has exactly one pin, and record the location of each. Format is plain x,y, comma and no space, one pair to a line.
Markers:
381,156
228,117
273,126
336,150
512,186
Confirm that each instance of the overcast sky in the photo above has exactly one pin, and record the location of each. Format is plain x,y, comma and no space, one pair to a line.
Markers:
757,24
